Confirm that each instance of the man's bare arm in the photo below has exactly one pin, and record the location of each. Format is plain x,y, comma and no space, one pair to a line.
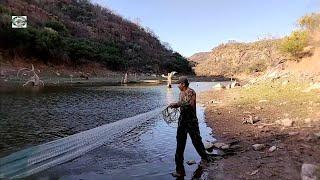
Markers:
189,99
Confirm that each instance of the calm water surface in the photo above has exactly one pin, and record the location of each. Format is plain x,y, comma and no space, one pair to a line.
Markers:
29,118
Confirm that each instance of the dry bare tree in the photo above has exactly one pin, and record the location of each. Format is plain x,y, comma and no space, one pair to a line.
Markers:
34,79
169,78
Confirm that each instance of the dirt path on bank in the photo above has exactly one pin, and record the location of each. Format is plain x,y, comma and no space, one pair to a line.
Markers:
296,143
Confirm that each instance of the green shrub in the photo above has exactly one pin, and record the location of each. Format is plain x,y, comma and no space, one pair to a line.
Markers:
4,10
5,20
57,26
48,43
177,63
80,48
82,33
295,42
310,21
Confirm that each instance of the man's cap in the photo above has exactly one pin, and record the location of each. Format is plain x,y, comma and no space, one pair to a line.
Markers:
183,79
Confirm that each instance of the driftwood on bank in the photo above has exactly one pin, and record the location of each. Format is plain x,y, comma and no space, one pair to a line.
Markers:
169,78
33,80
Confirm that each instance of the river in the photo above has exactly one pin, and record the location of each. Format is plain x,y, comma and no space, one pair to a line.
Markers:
30,118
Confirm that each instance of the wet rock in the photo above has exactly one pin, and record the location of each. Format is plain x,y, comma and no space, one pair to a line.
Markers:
258,147
208,145
272,148
310,172
191,162
221,145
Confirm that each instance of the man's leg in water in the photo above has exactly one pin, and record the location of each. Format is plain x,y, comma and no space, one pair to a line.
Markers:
181,144
194,132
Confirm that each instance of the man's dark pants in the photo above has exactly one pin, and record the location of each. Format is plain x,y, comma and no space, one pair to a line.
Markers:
188,123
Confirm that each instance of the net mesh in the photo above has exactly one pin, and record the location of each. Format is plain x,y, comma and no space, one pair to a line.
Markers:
171,116
38,158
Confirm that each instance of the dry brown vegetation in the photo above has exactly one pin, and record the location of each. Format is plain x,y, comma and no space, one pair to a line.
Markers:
235,58
271,103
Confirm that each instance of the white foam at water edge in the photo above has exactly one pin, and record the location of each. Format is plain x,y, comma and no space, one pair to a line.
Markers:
38,158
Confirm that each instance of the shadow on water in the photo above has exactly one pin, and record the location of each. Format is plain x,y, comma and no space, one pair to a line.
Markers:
146,152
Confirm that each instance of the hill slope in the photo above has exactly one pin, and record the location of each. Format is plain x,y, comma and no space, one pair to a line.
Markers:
76,32
236,58
297,52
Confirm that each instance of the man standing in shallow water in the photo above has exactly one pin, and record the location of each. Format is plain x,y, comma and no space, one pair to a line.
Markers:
188,123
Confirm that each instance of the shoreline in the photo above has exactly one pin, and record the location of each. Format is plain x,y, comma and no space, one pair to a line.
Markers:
292,145
12,84
89,75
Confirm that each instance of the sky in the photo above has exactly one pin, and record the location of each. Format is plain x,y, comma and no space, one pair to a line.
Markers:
192,26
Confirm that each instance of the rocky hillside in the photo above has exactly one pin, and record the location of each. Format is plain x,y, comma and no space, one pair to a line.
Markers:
76,32
199,57
297,51
236,58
